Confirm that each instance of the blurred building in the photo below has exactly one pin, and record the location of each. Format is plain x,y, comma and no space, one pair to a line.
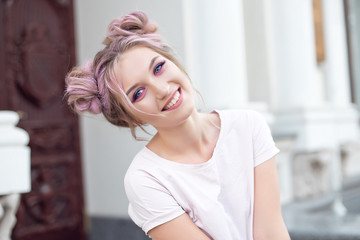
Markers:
295,61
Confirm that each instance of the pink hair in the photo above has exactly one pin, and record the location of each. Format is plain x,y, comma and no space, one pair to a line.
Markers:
94,86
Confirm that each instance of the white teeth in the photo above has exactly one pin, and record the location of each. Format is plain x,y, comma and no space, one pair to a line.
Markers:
173,101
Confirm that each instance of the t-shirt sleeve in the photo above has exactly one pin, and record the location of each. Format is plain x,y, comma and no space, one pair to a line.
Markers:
263,143
150,203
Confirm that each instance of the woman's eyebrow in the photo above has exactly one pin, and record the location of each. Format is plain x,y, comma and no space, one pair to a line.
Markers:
150,65
152,62
130,89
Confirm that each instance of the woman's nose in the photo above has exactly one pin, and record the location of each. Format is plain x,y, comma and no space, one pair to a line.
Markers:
161,89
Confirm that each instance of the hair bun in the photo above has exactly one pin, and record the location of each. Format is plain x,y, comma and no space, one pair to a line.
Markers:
133,23
82,90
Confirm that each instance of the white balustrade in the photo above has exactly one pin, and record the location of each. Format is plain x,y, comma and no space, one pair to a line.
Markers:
14,170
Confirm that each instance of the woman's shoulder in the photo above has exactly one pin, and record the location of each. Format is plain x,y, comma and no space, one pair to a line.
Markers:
139,171
146,164
140,163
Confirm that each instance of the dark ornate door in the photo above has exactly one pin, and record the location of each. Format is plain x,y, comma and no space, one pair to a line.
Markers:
36,51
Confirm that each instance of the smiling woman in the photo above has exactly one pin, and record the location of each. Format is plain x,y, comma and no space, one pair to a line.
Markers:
202,175
95,87
156,88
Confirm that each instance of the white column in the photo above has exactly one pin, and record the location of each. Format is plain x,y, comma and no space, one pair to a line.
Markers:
354,27
337,71
215,51
313,99
336,62
301,107
295,55
345,115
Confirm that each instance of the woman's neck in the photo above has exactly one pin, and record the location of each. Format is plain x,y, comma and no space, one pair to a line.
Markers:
194,139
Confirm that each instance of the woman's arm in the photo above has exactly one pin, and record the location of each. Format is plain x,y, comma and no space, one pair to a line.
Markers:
180,228
268,222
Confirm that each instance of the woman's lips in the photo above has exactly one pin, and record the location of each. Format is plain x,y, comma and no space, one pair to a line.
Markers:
174,102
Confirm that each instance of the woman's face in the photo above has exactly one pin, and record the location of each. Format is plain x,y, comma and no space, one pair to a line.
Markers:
156,86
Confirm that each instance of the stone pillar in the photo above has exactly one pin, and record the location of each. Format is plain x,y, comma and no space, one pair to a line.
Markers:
336,62
14,170
215,51
313,99
297,93
338,85
294,43
303,106
336,71
354,30
315,106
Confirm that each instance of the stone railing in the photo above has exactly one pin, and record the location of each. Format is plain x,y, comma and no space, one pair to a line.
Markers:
14,170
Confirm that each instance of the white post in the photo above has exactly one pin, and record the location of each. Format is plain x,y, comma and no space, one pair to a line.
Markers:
337,72
215,51
338,87
336,62
301,107
313,100
296,59
14,170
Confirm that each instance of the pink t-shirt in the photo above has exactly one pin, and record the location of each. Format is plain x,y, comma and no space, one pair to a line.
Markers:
218,195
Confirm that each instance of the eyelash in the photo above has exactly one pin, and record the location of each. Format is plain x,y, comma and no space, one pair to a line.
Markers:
135,97
157,70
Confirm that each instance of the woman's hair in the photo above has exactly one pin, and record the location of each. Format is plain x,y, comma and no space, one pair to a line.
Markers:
94,87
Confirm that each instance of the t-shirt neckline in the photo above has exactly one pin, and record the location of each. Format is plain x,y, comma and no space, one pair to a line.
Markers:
190,165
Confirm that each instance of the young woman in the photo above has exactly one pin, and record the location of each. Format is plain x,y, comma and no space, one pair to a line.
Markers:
202,175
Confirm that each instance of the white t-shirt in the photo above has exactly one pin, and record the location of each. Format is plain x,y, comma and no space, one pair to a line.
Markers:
218,195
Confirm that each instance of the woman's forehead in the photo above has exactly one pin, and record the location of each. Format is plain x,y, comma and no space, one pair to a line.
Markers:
137,55
133,64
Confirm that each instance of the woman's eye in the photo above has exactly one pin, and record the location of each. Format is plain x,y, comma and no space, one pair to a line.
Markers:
138,93
158,68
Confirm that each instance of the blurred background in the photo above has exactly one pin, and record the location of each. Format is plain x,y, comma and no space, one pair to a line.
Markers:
295,61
